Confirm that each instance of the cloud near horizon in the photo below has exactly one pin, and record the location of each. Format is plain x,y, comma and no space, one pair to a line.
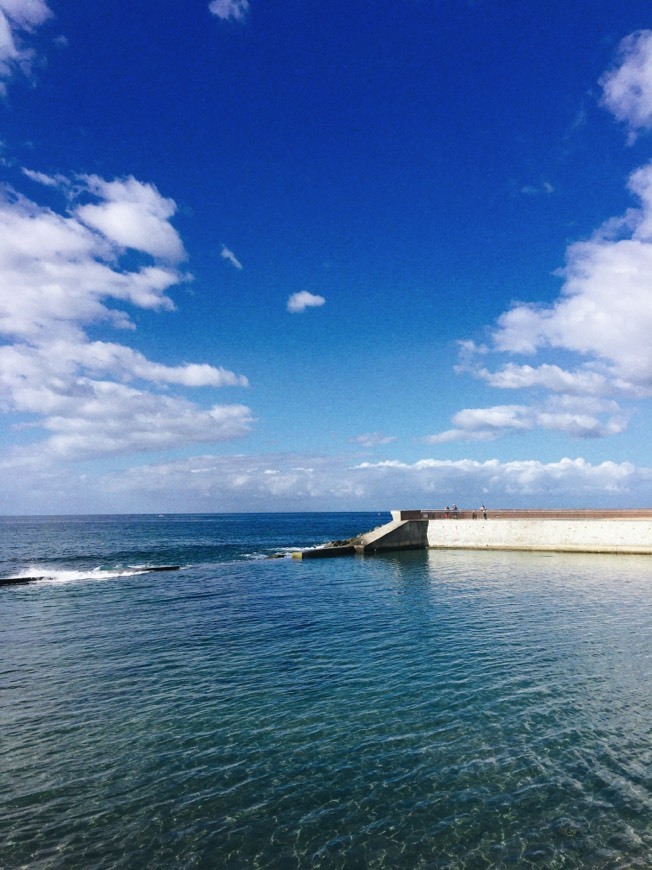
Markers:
62,272
602,317
307,482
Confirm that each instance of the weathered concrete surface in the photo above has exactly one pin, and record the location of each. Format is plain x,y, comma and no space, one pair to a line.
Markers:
397,535
582,536
325,552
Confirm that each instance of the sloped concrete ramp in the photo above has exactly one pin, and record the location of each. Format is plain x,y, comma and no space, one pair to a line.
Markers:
395,535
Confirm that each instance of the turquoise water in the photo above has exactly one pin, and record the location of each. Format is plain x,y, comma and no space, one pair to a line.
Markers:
424,709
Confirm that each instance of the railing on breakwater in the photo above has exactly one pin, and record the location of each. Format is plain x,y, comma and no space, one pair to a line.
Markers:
478,513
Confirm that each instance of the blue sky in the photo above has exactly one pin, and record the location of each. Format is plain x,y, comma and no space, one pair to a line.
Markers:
343,256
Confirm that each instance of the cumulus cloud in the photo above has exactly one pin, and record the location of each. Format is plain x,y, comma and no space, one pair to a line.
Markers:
627,88
298,302
549,377
579,417
229,10
484,424
120,361
87,419
63,271
58,271
63,359
497,418
230,257
604,312
18,21
114,419
132,215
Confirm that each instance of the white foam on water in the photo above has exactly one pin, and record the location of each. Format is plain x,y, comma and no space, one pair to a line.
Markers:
47,574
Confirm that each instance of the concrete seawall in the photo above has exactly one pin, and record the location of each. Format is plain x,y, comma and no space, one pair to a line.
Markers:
579,536
571,531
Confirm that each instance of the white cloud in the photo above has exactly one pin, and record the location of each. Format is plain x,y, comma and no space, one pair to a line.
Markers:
235,10
87,415
56,273
132,215
605,310
549,377
498,418
449,435
62,272
303,299
580,425
484,424
268,482
627,89
578,417
46,180
372,439
101,358
114,419
228,255
569,480
18,20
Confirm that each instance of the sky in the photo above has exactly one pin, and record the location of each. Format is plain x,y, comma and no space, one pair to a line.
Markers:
301,256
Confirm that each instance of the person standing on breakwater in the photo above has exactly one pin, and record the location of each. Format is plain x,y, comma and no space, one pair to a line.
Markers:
484,511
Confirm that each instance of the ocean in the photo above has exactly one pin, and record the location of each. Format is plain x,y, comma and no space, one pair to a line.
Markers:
434,709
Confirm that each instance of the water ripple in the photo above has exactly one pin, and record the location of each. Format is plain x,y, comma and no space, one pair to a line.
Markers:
422,710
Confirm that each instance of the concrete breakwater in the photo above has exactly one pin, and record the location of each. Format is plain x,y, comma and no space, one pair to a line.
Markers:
579,531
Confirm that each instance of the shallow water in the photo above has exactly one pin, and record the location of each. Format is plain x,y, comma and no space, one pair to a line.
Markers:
423,709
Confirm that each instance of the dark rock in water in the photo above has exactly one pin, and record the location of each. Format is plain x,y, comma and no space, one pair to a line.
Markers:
164,568
325,552
18,581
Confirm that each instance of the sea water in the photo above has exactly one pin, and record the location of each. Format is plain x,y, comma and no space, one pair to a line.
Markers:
444,709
